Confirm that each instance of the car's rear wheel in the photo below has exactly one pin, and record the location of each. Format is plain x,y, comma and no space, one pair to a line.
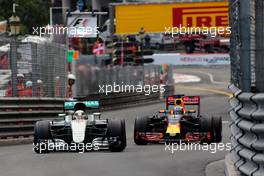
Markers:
117,129
42,134
217,129
205,127
141,126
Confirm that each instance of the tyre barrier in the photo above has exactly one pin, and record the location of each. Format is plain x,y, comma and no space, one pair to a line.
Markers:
19,115
247,131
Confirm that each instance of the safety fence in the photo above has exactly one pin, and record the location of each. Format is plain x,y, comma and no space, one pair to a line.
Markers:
247,128
246,44
91,78
33,67
18,115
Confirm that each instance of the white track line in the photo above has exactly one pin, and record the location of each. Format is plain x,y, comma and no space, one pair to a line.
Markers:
211,77
185,78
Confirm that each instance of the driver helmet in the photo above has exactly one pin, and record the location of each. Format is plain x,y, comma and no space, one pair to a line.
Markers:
178,110
79,114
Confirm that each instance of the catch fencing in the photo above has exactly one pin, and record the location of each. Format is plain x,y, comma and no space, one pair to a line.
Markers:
89,78
246,44
34,68
247,130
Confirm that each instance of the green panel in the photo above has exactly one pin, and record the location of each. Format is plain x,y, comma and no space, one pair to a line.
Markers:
89,104
70,54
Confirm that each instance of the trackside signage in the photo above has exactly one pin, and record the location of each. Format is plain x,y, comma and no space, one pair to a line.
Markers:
192,59
155,17
203,16
83,26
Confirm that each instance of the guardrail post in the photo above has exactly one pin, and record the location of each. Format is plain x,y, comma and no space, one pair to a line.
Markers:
259,45
13,65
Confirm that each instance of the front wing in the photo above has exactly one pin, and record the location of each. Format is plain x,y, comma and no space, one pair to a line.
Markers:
159,137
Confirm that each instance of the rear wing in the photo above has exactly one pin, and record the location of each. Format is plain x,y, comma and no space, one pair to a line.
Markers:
185,100
81,105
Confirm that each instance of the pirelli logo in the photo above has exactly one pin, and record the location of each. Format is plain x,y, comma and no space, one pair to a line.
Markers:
202,16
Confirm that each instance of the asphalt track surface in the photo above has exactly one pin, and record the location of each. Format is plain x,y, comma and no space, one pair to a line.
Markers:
150,160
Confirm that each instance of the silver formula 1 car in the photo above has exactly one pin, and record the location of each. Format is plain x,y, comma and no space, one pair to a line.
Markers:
82,129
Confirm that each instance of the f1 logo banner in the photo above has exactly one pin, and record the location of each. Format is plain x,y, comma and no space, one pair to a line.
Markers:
83,26
207,16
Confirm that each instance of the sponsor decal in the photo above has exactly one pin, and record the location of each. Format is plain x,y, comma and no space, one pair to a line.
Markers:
207,16
88,104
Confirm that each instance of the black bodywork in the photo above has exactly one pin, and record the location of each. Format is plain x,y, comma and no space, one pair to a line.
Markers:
188,126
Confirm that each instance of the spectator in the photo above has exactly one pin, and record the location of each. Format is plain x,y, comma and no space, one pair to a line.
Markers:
141,35
4,62
28,89
20,85
8,91
40,89
71,81
147,41
57,87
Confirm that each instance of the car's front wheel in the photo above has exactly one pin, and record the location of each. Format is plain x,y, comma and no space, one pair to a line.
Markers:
141,126
42,134
117,129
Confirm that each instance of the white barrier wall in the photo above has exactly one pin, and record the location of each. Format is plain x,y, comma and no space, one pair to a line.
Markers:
191,59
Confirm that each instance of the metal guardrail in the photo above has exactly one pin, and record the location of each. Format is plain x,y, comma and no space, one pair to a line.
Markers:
18,115
247,128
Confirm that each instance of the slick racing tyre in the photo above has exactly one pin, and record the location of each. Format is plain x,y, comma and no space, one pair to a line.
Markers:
206,126
117,129
141,125
41,135
217,129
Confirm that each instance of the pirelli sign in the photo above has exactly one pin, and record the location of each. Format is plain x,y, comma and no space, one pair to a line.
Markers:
156,17
208,16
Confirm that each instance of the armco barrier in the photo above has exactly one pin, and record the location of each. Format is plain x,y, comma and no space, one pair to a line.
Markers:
18,115
247,129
